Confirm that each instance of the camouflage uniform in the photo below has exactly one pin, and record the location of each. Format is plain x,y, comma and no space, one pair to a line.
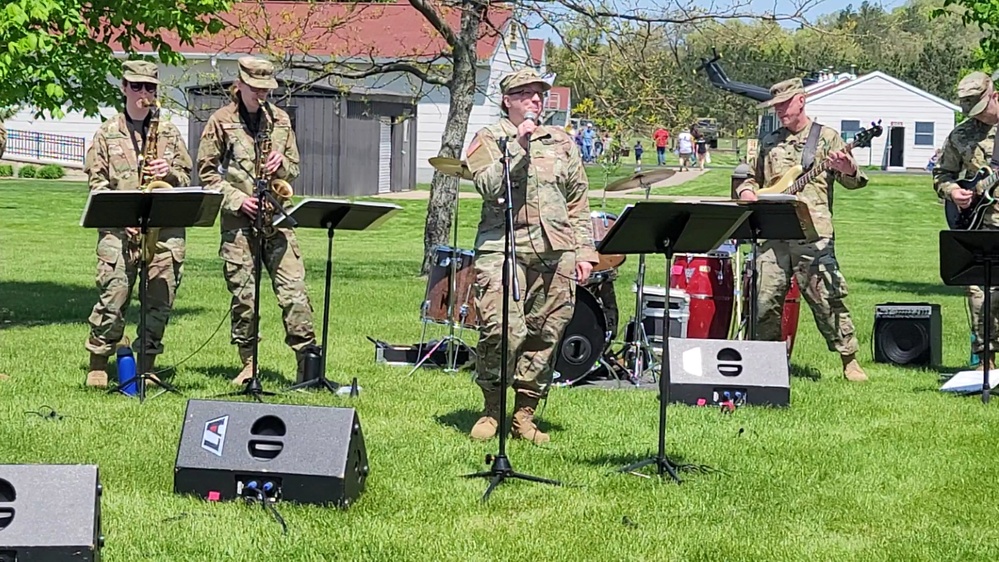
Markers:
3,139
552,231
227,136
967,149
814,264
112,164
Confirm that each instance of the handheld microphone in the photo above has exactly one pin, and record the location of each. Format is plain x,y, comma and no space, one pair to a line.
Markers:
530,116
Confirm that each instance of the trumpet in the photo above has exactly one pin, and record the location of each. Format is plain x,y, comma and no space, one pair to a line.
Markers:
146,182
281,189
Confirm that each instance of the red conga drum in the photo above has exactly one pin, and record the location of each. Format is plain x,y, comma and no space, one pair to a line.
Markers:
709,281
789,318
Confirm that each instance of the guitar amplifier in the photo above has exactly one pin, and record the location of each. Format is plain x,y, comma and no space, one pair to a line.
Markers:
907,334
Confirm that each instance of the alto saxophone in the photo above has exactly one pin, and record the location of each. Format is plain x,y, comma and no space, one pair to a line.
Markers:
146,182
281,189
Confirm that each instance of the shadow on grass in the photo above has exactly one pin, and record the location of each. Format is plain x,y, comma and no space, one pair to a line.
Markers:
272,380
806,372
913,287
463,420
39,303
616,462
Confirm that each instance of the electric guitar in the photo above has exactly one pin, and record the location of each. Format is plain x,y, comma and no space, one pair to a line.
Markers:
971,218
793,181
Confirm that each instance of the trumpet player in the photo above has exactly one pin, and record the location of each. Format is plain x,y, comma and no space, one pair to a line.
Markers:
123,157
249,139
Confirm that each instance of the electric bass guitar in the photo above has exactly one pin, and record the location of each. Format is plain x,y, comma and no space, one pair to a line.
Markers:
793,180
984,184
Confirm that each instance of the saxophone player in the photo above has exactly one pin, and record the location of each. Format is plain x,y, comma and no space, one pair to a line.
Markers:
121,157
228,159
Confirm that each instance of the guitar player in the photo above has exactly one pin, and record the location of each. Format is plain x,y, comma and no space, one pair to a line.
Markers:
967,149
801,141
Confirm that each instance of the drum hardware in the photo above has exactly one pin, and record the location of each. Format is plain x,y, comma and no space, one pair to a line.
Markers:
459,169
637,350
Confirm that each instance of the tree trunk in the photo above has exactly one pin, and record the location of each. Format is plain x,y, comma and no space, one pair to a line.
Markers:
444,189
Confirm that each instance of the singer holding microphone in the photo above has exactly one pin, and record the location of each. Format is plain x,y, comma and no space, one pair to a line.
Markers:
554,249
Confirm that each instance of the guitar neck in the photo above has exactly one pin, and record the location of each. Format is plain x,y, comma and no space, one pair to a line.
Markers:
817,170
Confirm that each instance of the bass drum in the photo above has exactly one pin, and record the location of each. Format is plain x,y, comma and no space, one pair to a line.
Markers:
584,340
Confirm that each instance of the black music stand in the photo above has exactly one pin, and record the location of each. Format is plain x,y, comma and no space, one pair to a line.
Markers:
781,217
971,257
333,215
160,208
667,227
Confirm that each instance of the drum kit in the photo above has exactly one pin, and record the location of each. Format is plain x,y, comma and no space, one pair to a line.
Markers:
702,300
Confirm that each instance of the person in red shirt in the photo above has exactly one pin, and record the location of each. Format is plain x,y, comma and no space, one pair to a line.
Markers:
661,137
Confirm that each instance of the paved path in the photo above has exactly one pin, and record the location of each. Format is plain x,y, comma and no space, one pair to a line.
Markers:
637,193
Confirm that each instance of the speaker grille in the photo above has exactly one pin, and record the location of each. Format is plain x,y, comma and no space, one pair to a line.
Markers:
903,342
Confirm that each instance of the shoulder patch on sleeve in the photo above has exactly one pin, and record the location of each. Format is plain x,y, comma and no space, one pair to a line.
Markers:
482,153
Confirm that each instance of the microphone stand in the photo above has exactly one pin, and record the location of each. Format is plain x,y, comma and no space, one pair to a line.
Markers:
501,468
263,194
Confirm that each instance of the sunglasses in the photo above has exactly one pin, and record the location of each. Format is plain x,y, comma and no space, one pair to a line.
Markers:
139,86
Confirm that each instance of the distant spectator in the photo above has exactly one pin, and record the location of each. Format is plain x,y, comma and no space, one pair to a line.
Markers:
661,138
638,153
701,144
598,147
933,161
685,149
589,135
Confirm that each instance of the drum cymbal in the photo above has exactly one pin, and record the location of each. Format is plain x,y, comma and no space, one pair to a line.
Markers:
649,177
452,167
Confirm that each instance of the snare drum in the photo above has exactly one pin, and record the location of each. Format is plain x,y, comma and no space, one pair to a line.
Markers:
435,306
710,282
601,223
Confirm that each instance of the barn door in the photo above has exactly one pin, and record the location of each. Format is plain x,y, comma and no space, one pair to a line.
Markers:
385,156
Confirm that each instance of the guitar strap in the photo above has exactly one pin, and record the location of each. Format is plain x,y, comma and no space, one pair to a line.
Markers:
994,161
808,153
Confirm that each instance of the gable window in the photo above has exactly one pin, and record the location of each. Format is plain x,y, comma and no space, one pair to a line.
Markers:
849,129
924,134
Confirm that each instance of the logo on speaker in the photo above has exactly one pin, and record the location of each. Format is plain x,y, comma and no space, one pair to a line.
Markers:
213,438
692,362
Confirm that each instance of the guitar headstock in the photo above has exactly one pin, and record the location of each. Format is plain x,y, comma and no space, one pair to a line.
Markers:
864,137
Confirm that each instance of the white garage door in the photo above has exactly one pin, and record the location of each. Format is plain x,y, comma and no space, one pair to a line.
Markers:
385,157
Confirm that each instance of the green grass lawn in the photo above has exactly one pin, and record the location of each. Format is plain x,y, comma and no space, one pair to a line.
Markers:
889,470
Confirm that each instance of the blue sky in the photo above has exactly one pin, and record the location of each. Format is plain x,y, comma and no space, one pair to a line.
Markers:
815,9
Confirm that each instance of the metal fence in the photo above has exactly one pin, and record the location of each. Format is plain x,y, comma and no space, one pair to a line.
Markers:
46,145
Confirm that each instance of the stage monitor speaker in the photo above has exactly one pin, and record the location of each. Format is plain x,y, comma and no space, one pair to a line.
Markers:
302,454
713,370
907,334
50,513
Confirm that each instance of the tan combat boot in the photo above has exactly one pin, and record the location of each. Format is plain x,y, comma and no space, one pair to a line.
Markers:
246,356
981,361
852,370
485,428
523,420
98,375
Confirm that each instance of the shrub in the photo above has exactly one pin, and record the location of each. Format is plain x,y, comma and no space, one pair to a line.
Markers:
27,171
50,172
6,171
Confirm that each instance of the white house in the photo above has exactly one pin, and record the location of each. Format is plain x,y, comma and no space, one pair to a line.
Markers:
915,122
376,34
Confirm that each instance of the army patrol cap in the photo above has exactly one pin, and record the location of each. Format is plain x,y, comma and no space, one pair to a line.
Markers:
783,91
139,71
257,73
520,78
974,91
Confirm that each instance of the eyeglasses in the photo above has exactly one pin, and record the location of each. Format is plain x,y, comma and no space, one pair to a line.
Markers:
139,86
526,93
